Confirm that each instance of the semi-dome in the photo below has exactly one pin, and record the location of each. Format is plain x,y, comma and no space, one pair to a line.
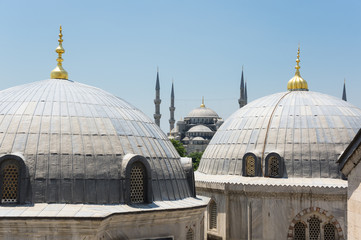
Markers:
200,129
198,139
77,142
298,133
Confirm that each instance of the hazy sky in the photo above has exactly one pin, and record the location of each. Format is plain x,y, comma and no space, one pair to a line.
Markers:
117,46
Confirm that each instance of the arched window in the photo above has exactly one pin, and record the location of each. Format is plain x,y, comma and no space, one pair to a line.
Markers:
315,223
190,234
329,232
10,182
137,183
213,215
137,173
250,165
274,165
300,231
314,228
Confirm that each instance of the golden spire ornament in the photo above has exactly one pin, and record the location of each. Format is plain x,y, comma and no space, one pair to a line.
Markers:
202,105
297,83
59,72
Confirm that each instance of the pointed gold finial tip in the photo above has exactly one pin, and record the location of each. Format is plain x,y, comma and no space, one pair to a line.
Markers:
202,105
297,83
59,72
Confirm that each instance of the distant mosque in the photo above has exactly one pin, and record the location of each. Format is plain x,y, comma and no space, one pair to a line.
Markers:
199,126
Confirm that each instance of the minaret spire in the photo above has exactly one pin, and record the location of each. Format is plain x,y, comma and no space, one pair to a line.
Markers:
242,100
59,72
157,101
245,92
344,91
172,109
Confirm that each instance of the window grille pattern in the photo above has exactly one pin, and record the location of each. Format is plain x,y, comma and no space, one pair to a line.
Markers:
190,234
314,228
137,184
274,166
300,231
329,232
250,166
212,215
10,184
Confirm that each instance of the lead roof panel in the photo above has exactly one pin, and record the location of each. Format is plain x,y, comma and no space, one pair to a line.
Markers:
55,122
301,118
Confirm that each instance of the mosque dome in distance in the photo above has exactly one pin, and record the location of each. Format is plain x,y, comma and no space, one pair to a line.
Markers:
202,112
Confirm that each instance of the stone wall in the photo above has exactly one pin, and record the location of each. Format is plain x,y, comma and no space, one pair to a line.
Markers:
354,203
270,212
144,225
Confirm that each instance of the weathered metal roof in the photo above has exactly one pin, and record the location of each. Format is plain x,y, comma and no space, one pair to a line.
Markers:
261,181
46,210
350,158
73,138
309,130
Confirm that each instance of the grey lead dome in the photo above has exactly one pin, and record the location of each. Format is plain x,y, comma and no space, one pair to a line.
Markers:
202,112
73,138
308,130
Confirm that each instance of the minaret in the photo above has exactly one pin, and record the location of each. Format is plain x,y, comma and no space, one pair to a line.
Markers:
157,101
344,91
172,109
242,100
245,92
59,72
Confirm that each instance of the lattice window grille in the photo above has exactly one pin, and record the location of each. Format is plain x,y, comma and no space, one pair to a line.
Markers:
190,234
10,184
251,166
137,184
213,215
314,228
329,232
274,166
300,231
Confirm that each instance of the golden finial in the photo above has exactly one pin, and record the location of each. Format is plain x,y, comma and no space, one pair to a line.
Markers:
59,72
202,105
297,67
297,83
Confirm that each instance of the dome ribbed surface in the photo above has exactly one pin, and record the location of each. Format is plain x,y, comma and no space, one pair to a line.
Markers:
309,130
73,138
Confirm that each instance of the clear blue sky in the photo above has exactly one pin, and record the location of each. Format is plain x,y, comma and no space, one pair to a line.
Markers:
117,46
